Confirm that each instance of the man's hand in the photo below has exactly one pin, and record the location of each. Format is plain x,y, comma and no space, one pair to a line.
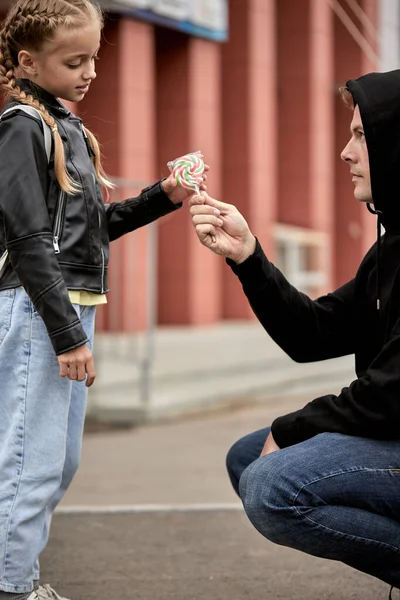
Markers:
78,365
221,228
269,446
178,194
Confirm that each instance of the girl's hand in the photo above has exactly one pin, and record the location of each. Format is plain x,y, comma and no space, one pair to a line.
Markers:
178,194
78,365
222,228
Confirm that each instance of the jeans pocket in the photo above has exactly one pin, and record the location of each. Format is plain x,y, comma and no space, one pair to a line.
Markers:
6,305
30,307
33,310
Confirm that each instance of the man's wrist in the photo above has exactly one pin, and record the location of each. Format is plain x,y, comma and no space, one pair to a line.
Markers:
248,251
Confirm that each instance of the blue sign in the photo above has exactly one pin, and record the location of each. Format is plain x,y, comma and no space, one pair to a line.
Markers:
203,18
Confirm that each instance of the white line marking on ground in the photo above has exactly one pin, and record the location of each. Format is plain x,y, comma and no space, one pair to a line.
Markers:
147,508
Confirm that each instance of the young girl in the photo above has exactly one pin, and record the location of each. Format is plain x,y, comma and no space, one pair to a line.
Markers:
56,229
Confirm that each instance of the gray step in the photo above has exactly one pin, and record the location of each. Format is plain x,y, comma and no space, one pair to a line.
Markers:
192,369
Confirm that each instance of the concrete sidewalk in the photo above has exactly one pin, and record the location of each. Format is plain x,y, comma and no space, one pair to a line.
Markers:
151,516
184,370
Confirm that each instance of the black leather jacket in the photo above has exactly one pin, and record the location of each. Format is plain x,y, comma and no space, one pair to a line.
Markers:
56,241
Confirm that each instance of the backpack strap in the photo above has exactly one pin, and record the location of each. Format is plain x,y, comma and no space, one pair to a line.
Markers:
48,140
33,112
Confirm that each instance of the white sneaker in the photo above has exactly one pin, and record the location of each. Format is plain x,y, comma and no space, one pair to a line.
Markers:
45,592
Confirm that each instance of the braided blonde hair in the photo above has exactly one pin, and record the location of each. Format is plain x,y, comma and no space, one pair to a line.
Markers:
30,23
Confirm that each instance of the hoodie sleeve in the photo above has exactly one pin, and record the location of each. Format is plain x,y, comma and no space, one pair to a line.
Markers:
369,407
28,230
151,204
307,330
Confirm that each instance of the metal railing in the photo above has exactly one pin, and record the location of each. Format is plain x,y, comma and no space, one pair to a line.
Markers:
137,347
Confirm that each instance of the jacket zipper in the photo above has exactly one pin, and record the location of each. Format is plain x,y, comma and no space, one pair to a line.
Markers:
88,146
58,221
102,271
102,257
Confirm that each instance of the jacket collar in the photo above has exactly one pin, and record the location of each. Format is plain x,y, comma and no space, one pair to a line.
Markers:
53,105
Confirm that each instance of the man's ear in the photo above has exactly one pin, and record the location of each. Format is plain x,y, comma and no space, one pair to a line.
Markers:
27,62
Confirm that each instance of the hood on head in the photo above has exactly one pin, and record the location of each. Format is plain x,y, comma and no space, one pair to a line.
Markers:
378,98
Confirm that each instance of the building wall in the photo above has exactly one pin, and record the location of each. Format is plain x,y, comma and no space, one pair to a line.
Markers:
265,110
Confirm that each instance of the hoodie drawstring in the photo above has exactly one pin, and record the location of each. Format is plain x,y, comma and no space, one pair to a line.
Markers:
378,253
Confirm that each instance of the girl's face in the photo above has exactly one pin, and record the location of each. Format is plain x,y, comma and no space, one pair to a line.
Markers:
65,66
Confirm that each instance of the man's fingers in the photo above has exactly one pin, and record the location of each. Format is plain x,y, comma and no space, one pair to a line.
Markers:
207,220
206,234
222,206
204,209
205,199
196,199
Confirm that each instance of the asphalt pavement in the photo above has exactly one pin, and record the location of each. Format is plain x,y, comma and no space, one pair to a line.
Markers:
151,516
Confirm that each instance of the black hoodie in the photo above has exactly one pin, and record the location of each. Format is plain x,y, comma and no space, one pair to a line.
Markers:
350,320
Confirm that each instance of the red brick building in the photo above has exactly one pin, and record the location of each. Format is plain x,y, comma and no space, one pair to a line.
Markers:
265,110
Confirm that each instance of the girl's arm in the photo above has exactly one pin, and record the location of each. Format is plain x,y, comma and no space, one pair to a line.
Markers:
150,205
23,169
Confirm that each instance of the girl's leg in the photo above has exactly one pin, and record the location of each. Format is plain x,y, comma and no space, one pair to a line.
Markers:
76,420
332,496
34,412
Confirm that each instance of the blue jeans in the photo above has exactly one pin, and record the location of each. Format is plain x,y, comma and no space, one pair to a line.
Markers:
41,426
332,496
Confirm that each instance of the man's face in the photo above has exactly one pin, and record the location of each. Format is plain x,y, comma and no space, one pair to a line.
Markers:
355,154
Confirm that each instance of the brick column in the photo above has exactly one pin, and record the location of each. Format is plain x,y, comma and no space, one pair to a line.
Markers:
322,109
371,8
355,227
249,130
305,74
188,113
120,110
294,91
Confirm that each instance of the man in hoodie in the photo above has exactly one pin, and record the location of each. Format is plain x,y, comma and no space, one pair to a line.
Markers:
326,479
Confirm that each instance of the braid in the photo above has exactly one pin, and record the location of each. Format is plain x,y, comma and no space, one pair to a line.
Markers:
28,24
104,180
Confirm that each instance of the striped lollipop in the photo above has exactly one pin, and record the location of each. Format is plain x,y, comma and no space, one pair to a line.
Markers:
188,171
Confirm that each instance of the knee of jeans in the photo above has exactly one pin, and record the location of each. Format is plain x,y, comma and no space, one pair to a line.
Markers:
232,460
70,468
235,464
266,495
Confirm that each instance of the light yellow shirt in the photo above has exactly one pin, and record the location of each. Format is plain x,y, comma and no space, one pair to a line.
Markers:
86,298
